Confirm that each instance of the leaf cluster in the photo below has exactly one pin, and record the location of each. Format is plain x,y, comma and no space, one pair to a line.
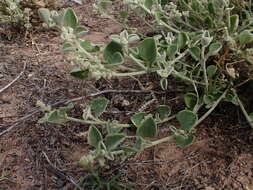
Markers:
16,14
199,44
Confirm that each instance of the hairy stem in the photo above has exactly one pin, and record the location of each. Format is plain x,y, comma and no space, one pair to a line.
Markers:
211,109
245,113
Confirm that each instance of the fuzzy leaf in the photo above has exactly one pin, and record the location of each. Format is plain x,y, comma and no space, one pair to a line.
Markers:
187,119
190,100
57,116
195,52
214,48
98,106
172,50
163,111
183,141
44,14
182,40
138,118
148,128
148,50
113,53
80,30
67,47
245,37
208,99
94,137
211,70
148,4
58,19
69,18
112,141
89,46
234,22
79,73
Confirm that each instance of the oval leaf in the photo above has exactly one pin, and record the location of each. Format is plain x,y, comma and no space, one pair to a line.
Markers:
69,18
182,40
211,70
245,37
67,47
94,136
183,141
172,50
98,106
89,46
148,50
117,59
214,48
148,128
113,53
195,52
234,22
190,100
187,119
112,141
138,118
163,111
148,3
80,74
80,30
44,14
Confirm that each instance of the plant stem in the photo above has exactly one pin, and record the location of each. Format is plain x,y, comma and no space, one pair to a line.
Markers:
203,64
162,140
169,27
211,109
129,74
165,120
246,115
177,74
95,122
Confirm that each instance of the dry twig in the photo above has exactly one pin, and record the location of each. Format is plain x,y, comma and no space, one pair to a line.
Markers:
12,82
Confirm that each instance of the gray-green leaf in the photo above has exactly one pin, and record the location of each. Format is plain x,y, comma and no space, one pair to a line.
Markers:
148,128
211,70
44,14
80,30
245,37
138,118
234,22
163,111
190,100
148,50
183,141
182,40
70,18
172,50
195,52
89,46
98,106
67,47
214,48
79,73
187,119
113,53
113,141
94,136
